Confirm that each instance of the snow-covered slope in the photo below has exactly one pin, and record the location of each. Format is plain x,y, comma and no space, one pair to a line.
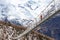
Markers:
21,11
